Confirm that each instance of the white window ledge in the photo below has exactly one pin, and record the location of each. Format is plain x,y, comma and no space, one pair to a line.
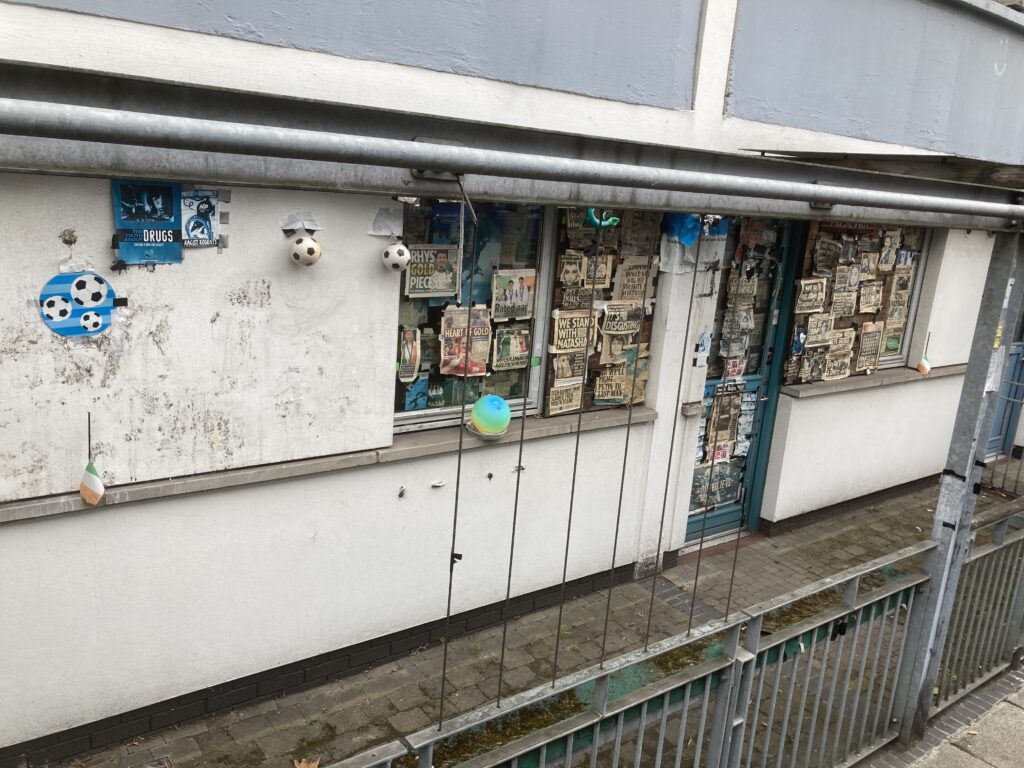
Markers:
881,378
413,445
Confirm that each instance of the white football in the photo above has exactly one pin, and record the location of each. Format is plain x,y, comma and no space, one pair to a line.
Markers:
56,309
89,290
91,321
396,257
305,251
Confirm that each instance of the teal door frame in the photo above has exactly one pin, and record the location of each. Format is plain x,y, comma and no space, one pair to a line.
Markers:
746,511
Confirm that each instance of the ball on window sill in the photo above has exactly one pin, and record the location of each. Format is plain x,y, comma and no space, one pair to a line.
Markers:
305,251
491,415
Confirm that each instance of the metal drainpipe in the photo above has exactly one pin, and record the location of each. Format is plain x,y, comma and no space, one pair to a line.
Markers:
62,121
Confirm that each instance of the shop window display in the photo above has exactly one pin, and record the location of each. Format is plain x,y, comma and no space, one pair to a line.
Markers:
854,300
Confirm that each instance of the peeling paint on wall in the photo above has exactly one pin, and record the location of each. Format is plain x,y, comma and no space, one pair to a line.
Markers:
226,360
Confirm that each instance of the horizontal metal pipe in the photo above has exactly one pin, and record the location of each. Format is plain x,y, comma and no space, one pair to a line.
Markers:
31,154
63,121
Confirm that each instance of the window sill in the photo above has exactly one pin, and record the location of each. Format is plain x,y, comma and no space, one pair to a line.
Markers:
412,445
881,378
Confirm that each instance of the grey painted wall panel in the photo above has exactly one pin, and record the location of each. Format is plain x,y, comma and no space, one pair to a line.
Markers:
640,53
925,73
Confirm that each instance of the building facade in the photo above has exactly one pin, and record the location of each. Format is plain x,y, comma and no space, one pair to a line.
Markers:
276,458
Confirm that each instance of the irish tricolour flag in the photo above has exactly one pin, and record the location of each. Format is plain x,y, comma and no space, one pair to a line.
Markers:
91,487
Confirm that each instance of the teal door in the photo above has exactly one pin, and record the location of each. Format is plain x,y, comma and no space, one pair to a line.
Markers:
744,375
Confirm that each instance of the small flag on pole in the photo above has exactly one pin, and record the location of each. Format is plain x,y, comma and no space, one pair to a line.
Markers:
91,488
924,366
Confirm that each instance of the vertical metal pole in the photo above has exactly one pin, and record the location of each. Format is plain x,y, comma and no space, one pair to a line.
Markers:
955,507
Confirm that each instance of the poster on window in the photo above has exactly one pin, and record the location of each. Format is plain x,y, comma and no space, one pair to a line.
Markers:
870,297
578,298
147,218
200,218
844,303
433,271
819,327
902,276
409,355
868,265
569,365
890,248
724,415
837,365
841,340
810,295
623,317
892,340
573,330
564,398
715,484
634,280
616,349
812,365
571,267
599,270
826,256
512,293
742,289
870,346
847,277
511,348
459,355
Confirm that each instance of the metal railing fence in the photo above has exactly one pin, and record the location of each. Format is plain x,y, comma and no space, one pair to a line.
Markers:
809,680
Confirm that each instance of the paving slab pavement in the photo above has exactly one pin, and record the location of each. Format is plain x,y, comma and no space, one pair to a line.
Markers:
346,716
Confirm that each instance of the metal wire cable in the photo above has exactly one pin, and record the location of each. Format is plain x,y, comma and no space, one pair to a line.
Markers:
453,557
776,283
515,506
671,450
622,478
575,459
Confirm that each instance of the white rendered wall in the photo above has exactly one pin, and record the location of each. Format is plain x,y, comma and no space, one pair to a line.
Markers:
253,67
228,359
118,608
832,448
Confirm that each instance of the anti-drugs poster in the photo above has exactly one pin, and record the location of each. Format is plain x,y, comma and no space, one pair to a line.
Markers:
511,348
200,218
571,330
457,356
147,217
512,292
433,271
566,398
409,355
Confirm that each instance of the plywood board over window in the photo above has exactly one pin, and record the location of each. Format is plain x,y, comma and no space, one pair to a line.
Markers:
230,359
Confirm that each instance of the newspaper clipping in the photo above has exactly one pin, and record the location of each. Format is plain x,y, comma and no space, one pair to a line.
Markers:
512,293
433,271
622,317
577,298
570,365
870,297
818,329
870,346
409,355
599,270
571,269
571,330
511,348
563,398
634,280
810,295
837,365
844,303
841,340
457,356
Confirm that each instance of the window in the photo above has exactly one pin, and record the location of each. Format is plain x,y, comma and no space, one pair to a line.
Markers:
528,260
604,283
856,296
504,272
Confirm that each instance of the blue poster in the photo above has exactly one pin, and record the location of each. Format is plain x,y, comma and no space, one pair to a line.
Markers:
147,216
78,304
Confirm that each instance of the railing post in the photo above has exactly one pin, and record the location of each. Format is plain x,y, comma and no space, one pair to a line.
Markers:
959,482
733,695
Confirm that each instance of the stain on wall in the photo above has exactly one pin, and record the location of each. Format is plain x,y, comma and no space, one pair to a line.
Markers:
914,72
230,359
641,53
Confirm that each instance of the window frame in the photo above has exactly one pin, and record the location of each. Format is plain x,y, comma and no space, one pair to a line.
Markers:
900,360
450,415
